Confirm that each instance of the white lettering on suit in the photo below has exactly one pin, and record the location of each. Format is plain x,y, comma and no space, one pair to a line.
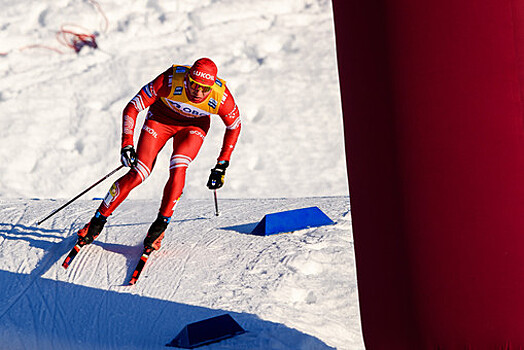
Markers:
186,109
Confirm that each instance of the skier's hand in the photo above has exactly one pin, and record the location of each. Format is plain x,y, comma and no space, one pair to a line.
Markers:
216,178
128,156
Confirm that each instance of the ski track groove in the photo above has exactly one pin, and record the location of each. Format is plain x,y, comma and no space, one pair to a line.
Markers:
102,317
18,221
106,259
24,340
58,315
60,310
44,265
51,310
78,264
187,252
181,268
211,241
108,274
99,256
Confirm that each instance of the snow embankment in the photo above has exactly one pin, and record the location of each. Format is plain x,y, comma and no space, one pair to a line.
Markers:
289,291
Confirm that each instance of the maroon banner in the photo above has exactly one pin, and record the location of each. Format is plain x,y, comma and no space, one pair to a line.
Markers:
432,96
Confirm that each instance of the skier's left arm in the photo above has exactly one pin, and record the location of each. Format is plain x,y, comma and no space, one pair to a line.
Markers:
230,115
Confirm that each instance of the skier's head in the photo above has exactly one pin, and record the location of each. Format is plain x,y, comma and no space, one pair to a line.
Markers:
200,79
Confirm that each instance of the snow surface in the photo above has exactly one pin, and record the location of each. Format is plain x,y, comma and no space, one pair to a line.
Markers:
61,114
289,291
60,132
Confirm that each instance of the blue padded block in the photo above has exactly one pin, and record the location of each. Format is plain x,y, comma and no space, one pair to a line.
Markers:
207,331
291,220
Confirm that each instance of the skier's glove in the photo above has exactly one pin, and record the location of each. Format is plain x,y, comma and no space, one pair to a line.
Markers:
128,156
216,178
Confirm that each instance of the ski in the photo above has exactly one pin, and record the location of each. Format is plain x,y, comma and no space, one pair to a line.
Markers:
140,266
136,273
72,254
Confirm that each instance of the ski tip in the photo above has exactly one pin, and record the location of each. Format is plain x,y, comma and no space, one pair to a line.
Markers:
71,256
132,282
66,263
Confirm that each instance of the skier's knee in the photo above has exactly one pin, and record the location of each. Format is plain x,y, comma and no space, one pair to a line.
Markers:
179,162
140,172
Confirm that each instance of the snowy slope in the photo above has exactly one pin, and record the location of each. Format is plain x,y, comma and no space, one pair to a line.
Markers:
60,118
289,291
61,114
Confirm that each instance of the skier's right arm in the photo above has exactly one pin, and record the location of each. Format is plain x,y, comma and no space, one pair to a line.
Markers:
159,87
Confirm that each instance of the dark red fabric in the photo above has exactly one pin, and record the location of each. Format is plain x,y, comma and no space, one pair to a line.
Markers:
187,140
433,114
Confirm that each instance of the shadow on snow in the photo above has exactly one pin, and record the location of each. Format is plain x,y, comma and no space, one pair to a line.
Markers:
244,228
40,313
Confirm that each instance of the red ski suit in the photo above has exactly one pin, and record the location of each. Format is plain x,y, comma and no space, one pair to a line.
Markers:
173,116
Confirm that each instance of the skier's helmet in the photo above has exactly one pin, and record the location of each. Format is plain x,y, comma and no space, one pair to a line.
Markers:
203,72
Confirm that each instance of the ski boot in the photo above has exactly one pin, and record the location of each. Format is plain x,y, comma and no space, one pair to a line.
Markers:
91,230
155,234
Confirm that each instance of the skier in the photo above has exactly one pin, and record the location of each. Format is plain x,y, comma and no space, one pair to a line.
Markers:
180,102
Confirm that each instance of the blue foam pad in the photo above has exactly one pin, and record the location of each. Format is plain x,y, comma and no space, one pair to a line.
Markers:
207,331
291,220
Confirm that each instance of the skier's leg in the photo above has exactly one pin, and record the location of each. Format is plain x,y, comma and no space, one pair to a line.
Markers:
186,144
153,137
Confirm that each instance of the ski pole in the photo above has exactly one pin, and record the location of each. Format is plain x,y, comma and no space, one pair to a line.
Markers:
216,203
79,195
